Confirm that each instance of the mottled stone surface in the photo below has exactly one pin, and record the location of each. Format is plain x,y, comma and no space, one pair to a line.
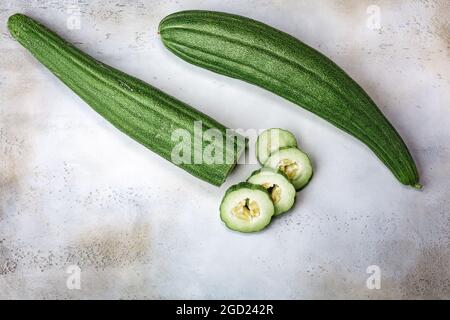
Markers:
74,191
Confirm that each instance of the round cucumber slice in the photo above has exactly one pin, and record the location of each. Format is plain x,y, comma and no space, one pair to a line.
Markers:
246,207
277,184
294,163
271,140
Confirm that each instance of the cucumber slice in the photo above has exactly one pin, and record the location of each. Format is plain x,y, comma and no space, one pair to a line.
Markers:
294,163
246,207
277,184
271,140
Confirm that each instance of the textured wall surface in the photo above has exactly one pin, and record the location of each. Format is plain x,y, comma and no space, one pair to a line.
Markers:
75,191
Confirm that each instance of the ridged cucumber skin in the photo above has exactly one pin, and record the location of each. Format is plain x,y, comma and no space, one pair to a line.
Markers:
139,110
252,51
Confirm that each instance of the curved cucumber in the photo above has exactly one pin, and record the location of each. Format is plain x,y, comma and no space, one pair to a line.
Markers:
271,140
246,207
141,111
277,184
257,53
294,163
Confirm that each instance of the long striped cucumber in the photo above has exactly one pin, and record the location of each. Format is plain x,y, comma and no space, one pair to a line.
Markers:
139,110
252,51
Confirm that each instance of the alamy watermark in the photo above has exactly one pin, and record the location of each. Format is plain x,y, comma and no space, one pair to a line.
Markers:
73,281
73,21
373,22
214,146
374,280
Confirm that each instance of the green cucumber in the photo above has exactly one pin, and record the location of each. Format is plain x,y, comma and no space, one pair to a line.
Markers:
271,140
252,51
294,163
246,207
281,191
139,110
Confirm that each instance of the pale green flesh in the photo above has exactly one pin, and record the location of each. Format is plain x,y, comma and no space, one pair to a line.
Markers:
301,169
232,199
284,197
271,140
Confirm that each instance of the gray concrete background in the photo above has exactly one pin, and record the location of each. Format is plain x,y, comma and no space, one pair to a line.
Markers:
74,191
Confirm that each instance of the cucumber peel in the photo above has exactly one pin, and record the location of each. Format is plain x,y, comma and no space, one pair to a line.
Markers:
144,113
257,53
